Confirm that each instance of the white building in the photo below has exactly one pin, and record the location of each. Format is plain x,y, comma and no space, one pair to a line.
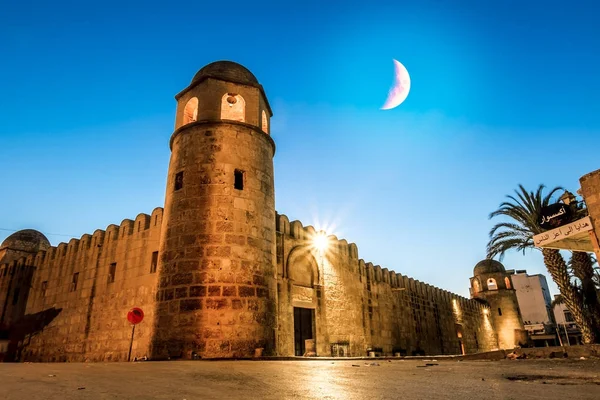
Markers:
535,304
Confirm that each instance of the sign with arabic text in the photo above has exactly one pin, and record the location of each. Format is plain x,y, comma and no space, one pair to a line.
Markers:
566,231
554,215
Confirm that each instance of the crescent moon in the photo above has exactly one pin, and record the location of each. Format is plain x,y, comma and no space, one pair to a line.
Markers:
400,88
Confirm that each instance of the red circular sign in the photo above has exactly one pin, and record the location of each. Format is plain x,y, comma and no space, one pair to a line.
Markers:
135,315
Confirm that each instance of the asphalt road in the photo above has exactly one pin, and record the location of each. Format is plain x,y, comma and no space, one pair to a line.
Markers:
352,379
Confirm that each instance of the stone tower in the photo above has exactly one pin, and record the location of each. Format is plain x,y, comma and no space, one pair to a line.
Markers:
217,288
491,283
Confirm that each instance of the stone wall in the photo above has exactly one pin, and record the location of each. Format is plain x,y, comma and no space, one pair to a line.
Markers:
362,307
90,319
357,307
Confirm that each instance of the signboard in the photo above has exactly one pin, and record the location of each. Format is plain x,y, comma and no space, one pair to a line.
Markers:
135,315
564,232
554,215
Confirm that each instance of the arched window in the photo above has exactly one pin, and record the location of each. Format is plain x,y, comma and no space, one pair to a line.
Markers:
491,284
507,282
233,107
265,122
476,286
190,112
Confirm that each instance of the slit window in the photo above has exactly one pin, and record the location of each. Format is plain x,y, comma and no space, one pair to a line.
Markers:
15,296
499,311
112,269
238,182
74,281
44,288
179,180
154,262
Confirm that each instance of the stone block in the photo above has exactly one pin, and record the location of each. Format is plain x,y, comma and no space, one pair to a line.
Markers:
216,304
190,304
182,279
229,291
246,291
198,291
214,290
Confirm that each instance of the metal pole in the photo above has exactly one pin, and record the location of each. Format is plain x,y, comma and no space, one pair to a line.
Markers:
566,334
559,338
131,344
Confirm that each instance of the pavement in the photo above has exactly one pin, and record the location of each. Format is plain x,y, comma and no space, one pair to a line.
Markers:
326,379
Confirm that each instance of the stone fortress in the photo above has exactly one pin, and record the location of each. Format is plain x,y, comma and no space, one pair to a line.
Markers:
220,274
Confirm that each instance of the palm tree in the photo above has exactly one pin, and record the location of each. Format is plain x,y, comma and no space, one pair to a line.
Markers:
525,210
583,268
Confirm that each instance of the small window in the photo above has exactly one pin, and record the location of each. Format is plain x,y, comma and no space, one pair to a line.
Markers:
74,281
507,282
190,112
238,179
233,107
265,122
499,311
15,296
179,180
491,284
568,316
111,272
154,262
44,288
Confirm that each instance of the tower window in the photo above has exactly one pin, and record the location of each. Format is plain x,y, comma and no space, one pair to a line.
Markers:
499,311
190,112
265,122
233,107
491,284
238,179
15,296
111,272
179,180
74,281
154,262
507,282
44,288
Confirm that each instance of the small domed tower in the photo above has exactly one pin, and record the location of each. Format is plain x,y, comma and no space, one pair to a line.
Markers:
217,288
491,283
22,244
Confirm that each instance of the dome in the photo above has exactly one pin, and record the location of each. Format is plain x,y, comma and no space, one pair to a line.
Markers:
28,240
488,266
227,71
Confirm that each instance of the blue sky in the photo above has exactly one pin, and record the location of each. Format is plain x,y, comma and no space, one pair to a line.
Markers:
503,92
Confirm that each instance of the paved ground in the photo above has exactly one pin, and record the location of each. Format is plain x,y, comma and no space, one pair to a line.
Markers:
190,380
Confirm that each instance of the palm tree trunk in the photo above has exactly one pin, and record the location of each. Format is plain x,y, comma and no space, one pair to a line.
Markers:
557,267
583,269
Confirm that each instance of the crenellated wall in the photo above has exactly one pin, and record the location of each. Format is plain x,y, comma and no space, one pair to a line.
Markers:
356,307
361,307
86,320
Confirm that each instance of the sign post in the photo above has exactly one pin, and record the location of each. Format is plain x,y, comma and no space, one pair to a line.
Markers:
134,316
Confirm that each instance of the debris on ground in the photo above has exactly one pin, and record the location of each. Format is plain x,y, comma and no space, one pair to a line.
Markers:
374,364
355,365
51,375
80,388
582,358
515,356
430,364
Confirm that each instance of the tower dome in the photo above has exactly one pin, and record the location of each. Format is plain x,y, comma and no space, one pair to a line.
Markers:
488,266
227,71
28,240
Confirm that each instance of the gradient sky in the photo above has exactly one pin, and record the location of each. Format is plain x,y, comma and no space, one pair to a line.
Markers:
503,92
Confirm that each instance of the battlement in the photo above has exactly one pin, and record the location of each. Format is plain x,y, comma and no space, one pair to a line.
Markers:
371,272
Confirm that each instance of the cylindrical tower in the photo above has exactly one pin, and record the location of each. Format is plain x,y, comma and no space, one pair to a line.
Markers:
216,294
491,283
